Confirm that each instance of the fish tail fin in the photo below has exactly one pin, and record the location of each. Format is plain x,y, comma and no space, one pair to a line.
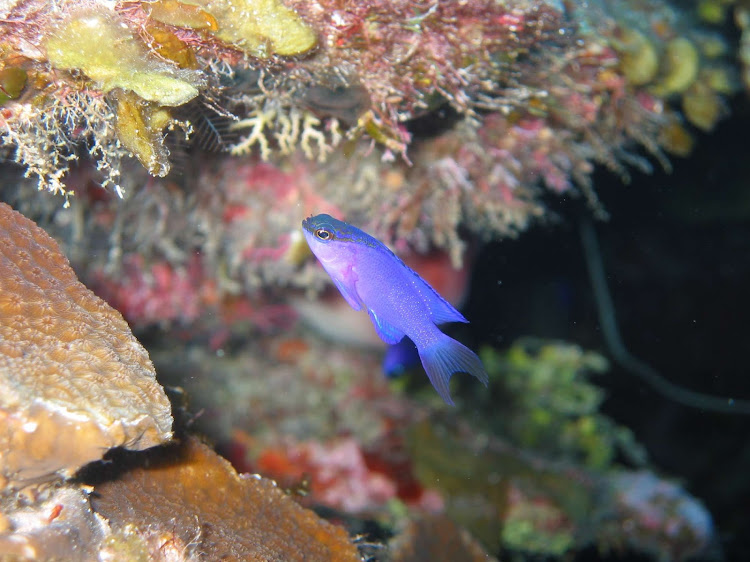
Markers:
447,356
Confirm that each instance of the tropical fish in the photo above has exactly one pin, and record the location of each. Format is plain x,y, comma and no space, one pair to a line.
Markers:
400,303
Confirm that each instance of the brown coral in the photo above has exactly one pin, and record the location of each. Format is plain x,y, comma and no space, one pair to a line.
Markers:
73,379
195,502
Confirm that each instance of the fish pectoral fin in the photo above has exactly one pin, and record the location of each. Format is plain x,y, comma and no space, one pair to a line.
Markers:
352,299
388,333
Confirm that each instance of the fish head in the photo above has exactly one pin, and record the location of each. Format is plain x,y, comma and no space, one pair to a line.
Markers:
335,244
324,235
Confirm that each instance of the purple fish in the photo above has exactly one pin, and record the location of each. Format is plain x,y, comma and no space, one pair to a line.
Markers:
400,303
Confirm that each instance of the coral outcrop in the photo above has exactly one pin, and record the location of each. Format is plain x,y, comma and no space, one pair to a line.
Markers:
192,501
73,379
178,503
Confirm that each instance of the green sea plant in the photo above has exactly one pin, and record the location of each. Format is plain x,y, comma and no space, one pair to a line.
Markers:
551,406
261,28
96,43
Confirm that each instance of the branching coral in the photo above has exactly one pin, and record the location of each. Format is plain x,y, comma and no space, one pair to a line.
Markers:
291,128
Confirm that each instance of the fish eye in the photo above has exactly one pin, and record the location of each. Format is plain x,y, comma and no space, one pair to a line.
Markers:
323,234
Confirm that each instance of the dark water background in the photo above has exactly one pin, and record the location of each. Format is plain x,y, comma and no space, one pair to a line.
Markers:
677,255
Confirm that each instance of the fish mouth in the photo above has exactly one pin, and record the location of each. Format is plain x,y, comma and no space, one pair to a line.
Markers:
306,224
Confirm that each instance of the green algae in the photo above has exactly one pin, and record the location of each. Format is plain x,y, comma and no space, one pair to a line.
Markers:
552,407
96,43
503,496
261,28
12,83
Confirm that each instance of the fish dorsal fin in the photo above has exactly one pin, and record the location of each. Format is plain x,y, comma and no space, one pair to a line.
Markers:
387,332
441,311
352,298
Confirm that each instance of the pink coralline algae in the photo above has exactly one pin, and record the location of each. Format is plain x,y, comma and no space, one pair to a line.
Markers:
158,294
339,476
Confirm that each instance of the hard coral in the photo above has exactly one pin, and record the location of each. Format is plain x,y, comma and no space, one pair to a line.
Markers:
73,379
195,501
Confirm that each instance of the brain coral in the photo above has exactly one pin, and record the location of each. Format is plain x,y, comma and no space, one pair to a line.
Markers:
73,379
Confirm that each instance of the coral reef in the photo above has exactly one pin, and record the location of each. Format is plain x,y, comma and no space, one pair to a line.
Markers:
321,421
182,502
186,141
73,379
488,104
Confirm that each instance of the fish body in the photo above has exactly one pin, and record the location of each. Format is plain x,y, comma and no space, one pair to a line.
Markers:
400,303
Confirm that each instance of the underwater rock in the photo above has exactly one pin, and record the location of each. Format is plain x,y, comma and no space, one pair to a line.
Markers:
193,499
74,381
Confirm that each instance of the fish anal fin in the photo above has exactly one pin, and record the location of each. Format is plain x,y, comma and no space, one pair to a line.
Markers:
387,332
